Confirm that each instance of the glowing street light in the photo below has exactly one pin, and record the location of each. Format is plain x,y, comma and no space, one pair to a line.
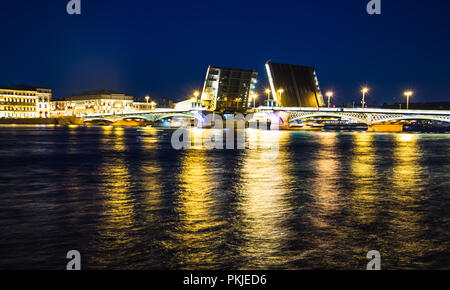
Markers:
364,91
196,94
147,98
237,103
408,94
268,96
280,91
329,94
254,97
153,104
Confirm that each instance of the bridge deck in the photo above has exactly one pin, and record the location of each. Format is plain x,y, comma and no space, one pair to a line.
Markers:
358,110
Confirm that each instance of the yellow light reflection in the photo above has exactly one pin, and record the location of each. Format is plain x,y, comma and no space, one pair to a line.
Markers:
265,206
364,174
197,138
196,237
406,165
325,190
326,200
151,174
408,191
118,139
107,130
117,217
74,139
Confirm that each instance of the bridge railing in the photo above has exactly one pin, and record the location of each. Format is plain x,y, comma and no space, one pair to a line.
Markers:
156,111
357,110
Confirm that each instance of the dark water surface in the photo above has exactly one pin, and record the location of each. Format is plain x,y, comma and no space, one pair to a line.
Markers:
127,200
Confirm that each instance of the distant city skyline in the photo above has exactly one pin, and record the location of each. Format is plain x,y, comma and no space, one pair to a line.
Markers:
150,49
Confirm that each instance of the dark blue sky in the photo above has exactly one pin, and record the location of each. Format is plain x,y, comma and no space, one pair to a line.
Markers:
164,47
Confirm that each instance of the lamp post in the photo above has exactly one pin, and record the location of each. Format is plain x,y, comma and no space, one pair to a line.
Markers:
195,99
254,97
408,94
268,96
364,92
153,105
280,91
329,95
147,98
237,103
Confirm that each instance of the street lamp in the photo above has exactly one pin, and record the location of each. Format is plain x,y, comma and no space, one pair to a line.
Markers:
237,103
153,105
280,91
147,98
268,96
364,92
329,95
407,94
195,99
254,97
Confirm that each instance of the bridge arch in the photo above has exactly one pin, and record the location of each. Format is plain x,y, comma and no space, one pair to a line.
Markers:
180,115
153,116
99,119
326,114
142,117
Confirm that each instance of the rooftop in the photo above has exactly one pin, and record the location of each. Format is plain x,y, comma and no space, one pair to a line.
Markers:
23,88
99,94
230,68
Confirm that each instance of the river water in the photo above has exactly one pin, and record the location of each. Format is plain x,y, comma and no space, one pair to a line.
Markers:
125,199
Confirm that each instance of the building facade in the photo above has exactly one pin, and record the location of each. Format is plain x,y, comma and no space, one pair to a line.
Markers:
98,103
294,85
25,102
93,102
144,106
227,90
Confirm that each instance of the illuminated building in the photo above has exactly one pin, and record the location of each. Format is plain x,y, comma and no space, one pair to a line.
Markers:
299,85
95,102
24,102
228,89
141,106
99,102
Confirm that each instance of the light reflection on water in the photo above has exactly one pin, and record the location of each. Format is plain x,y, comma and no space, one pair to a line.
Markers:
364,176
126,200
197,233
409,182
116,219
263,206
326,201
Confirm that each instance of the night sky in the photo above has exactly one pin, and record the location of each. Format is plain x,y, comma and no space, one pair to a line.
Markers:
163,48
